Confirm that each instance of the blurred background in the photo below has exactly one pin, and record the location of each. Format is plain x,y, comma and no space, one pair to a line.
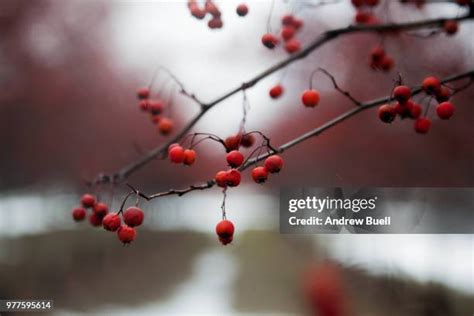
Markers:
68,111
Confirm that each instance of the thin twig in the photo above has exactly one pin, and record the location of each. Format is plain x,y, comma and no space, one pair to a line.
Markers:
207,185
336,86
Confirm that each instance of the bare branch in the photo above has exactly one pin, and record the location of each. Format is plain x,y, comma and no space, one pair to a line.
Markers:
312,133
325,37
207,185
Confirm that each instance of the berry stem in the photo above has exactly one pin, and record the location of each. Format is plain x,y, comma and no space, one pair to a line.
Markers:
224,192
269,18
245,109
125,200
428,105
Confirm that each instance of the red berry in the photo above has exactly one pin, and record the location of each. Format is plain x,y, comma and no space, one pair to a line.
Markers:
377,54
363,17
445,110
324,287
450,27
310,98
111,222
422,125
143,105
402,110
292,46
287,20
276,91
242,9
215,23
155,107
101,209
189,157
172,146
235,158
431,85
386,113
232,178
387,63
297,23
402,94
78,214
176,154
133,216
414,109
212,9
287,32
269,40
443,94
88,200
259,174
247,140
233,142
198,13
165,126
221,179
273,164
126,234
143,93
225,229
95,220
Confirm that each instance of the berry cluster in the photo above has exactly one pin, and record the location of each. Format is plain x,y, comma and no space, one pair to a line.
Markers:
99,210
407,108
100,216
232,176
215,22
155,108
290,26
272,164
177,154
364,13
211,8
234,142
380,60
235,159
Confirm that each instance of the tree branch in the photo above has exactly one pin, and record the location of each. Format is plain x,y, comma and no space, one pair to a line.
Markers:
325,37
312,133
